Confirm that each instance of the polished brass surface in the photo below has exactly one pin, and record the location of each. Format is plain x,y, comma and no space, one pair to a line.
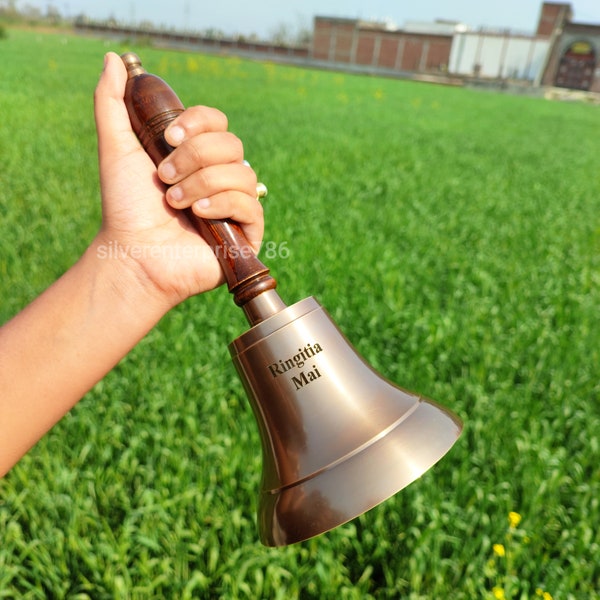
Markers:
133,64
263,306
261,190
337,438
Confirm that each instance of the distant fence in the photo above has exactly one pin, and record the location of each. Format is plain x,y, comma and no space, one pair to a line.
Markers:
192,41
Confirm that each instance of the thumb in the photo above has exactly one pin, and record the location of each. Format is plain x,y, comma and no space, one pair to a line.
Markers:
115,136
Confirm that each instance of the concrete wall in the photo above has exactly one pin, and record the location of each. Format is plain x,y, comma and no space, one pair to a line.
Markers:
498,55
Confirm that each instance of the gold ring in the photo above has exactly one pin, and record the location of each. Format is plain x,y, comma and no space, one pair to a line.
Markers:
261,190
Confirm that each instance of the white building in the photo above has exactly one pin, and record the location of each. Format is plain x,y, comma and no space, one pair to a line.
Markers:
498,55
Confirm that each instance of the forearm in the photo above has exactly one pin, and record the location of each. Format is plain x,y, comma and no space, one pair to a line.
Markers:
64,342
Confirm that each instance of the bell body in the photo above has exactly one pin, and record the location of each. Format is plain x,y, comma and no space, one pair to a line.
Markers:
337,437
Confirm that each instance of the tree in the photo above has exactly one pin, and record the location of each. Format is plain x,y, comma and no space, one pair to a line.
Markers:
8,8
53,14
285,34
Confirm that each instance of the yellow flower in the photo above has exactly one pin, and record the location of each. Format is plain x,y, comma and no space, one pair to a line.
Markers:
498,593
192,65
547,596
514,518
499,550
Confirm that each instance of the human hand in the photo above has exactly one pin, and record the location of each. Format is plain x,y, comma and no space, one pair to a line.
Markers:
143,227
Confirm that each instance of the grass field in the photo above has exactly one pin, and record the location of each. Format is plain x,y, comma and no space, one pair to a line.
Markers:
454,236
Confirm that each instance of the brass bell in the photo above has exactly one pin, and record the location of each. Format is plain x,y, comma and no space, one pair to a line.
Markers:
337,438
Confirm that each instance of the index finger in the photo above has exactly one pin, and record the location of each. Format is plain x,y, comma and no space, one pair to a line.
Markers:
193,121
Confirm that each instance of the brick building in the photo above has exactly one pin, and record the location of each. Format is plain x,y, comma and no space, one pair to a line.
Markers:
376,45
553,16
560,52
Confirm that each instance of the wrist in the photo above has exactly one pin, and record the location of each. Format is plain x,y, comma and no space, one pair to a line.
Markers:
124,279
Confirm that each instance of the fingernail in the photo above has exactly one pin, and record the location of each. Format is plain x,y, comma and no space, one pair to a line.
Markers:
176,134
175,193
168,171
202,203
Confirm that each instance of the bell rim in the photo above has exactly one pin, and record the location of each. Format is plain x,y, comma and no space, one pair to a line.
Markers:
272,512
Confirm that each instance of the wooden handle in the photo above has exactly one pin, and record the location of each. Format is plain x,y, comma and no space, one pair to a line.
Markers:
152,105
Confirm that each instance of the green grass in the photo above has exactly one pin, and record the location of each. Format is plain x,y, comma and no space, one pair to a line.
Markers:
454,236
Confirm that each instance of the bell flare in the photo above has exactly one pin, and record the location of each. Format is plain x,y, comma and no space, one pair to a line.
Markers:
360,481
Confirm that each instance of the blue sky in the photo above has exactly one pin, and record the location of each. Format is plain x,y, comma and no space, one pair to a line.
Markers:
265,16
